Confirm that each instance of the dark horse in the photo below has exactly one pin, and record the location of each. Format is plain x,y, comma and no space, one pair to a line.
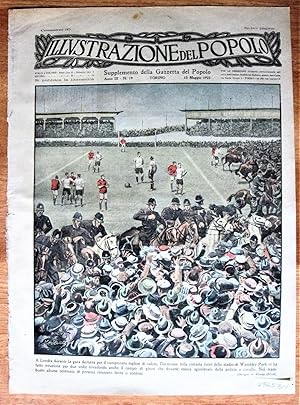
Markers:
247,170
241,198
231,158
131,239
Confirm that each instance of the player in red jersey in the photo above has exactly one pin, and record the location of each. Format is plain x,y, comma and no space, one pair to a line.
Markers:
123,144
55,184
91,155
102,185
172,170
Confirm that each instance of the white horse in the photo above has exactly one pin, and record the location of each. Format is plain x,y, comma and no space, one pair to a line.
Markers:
256,224
215,232
107,242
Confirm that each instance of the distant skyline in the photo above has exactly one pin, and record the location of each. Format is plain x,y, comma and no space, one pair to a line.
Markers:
154,105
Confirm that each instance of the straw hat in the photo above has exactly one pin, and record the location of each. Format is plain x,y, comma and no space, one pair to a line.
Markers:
151,312
119,323
147,286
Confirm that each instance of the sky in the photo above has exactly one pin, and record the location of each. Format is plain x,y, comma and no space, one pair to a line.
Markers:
153,105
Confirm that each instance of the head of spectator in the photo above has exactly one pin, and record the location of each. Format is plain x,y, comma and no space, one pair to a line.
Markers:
40,209
77,218
152,204
175,203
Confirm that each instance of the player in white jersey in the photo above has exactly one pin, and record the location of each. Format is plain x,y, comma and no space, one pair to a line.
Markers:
79,189
139,167
97,162
180,173
66,184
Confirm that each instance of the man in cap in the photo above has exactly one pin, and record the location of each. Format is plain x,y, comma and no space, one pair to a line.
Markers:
150,219
95,226
251,246
173,215
42,223
79,236
200,215
48,254
188,212
257,184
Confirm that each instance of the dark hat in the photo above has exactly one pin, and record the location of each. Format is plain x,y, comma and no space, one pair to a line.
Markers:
116,346
194,318
216,315
186,350
261,306
186,201
163,326
134,343
151,201
225,298
127,185
54,323
72,348
262,322
222,284
274,315
77,215
264,334
104,325
106,254
172,298
199,198
175,200
40,206
219,351
258,348
99,216
78,321
211,297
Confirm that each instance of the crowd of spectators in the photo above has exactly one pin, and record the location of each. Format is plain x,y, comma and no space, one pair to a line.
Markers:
72,129
169,300
228,128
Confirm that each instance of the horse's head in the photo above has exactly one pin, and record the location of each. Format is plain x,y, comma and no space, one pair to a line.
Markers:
110,243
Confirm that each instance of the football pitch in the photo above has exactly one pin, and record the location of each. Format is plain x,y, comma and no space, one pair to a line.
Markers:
213,183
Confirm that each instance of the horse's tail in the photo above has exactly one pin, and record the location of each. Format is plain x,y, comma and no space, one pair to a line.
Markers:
230,197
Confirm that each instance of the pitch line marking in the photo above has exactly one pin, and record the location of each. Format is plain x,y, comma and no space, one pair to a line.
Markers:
204,177
60,169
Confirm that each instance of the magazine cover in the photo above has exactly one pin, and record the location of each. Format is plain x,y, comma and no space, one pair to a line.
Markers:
151,227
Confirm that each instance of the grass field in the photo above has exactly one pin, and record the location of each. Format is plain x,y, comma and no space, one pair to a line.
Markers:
213,183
